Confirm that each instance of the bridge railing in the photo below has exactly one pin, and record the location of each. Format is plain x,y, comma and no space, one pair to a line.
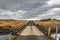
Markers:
9,29
43,29
4,30
48,30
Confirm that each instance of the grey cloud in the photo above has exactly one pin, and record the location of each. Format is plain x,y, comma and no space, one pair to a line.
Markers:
41,10
36,12
33,7
57,13
20,4
5,16
26,5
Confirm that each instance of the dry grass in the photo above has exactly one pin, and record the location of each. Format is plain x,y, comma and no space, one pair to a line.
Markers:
13,23
51,23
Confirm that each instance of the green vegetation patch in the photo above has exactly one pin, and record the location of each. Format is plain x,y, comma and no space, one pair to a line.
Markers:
51,38
12,38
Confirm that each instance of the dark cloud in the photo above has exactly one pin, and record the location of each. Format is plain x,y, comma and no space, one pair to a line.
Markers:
34,8
41,10
21,4
57,13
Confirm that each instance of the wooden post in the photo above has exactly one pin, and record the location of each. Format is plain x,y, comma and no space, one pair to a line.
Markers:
49,31
56,33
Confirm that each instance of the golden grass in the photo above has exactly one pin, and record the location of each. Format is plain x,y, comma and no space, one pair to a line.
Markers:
51,23
13,23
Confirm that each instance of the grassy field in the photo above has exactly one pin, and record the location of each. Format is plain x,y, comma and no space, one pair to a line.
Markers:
15,24
11,22
46,23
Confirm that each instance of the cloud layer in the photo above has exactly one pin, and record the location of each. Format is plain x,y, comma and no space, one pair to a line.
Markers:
30,9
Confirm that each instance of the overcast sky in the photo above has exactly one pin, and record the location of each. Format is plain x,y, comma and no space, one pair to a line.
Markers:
29,9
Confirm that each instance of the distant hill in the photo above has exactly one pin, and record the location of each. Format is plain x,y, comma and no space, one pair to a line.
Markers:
49,19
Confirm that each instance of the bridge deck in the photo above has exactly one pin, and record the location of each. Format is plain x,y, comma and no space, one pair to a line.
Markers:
32,33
